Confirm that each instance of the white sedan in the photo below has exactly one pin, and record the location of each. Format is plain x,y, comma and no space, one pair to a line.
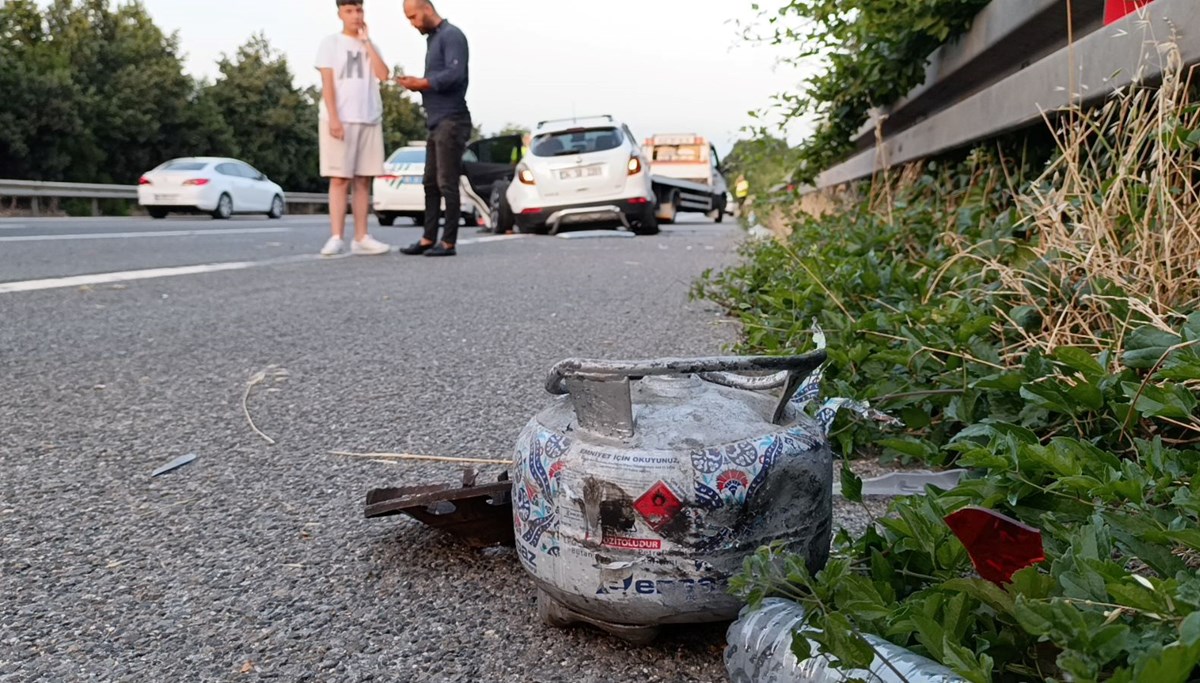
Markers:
217,186
400,191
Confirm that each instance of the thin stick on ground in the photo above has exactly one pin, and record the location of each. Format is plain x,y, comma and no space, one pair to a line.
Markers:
388,457
254,381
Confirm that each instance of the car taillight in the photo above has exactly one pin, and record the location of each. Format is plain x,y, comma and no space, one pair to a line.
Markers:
526,176
639,200
530,212
195,182
144,181
635,165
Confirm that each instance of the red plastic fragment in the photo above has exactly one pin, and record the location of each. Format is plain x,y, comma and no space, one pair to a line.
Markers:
1115,10
999,546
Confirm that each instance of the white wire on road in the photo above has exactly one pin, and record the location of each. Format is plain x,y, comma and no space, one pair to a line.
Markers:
133,235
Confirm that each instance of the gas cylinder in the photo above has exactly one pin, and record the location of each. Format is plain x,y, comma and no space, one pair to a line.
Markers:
639,490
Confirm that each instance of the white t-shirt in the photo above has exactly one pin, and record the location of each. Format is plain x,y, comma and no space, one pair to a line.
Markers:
355,85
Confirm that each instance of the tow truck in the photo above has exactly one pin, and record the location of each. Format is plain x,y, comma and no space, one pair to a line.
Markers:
687,174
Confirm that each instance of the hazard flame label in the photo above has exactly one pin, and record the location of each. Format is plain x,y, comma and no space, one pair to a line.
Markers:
658,506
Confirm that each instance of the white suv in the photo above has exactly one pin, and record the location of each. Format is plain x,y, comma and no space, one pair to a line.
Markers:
577,171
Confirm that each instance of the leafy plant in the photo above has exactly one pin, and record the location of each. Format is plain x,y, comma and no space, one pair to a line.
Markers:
1033,321
872,53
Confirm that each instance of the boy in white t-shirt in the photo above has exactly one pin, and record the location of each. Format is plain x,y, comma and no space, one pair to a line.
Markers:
351,126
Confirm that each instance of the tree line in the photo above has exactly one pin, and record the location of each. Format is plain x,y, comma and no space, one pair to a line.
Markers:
94,93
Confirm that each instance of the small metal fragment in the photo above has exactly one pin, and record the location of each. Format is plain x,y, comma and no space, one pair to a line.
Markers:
907,483
480,515
174,464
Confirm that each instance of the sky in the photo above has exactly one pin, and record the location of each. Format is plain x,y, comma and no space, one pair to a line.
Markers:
662,66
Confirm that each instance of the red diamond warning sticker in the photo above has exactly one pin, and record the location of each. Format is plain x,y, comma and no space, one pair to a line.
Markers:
658,506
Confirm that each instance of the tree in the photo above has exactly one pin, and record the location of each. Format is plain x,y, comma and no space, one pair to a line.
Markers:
273,122
133,95
40,121
765,161
512,129
403,119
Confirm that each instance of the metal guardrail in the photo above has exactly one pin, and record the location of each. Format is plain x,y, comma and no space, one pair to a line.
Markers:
36,190
1013,68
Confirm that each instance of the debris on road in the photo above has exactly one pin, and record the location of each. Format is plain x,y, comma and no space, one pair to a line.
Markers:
480,515
594,234
630,524
999,546
278,375
640,489
174,464
907,483
760,651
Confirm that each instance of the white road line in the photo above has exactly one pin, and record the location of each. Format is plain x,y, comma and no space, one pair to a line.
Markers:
131,235
126,276
13,226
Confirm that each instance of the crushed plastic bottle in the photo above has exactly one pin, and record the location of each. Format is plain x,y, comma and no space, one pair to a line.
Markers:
759,650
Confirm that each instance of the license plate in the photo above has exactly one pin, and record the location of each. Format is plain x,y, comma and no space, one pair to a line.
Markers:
400,180
165,197
584,172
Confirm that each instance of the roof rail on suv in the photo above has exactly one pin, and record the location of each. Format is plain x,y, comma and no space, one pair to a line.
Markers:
575,119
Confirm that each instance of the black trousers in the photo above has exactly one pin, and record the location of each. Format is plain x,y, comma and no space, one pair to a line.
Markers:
443,168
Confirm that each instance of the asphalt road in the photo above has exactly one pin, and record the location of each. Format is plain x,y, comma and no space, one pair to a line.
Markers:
254,562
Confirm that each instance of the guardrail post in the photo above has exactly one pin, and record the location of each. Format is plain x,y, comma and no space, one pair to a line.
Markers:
95,207
33,207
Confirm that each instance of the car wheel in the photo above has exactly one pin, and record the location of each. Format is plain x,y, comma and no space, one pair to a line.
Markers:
157,214
386,219
277,208
720,217
224,210
672,207
648,225
502,218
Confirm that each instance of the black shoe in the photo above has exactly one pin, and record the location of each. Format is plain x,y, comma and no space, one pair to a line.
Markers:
441,250
416,248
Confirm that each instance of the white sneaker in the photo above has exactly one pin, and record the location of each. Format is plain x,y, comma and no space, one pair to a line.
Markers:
333,247
369,247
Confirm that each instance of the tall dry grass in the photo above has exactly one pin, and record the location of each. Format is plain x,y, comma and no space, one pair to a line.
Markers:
1113,223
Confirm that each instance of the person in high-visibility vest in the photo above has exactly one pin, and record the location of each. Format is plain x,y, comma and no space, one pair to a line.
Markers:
741,190
522,152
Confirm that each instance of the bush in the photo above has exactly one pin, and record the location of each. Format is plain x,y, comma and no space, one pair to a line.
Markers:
1034,323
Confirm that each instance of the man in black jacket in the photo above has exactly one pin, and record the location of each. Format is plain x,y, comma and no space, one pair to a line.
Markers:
444,94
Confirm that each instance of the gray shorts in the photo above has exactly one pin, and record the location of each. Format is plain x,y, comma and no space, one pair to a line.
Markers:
359,153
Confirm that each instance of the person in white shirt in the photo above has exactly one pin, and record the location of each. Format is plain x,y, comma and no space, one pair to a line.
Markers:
351,126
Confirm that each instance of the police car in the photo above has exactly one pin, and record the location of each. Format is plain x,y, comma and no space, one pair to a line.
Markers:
400,191
577,171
